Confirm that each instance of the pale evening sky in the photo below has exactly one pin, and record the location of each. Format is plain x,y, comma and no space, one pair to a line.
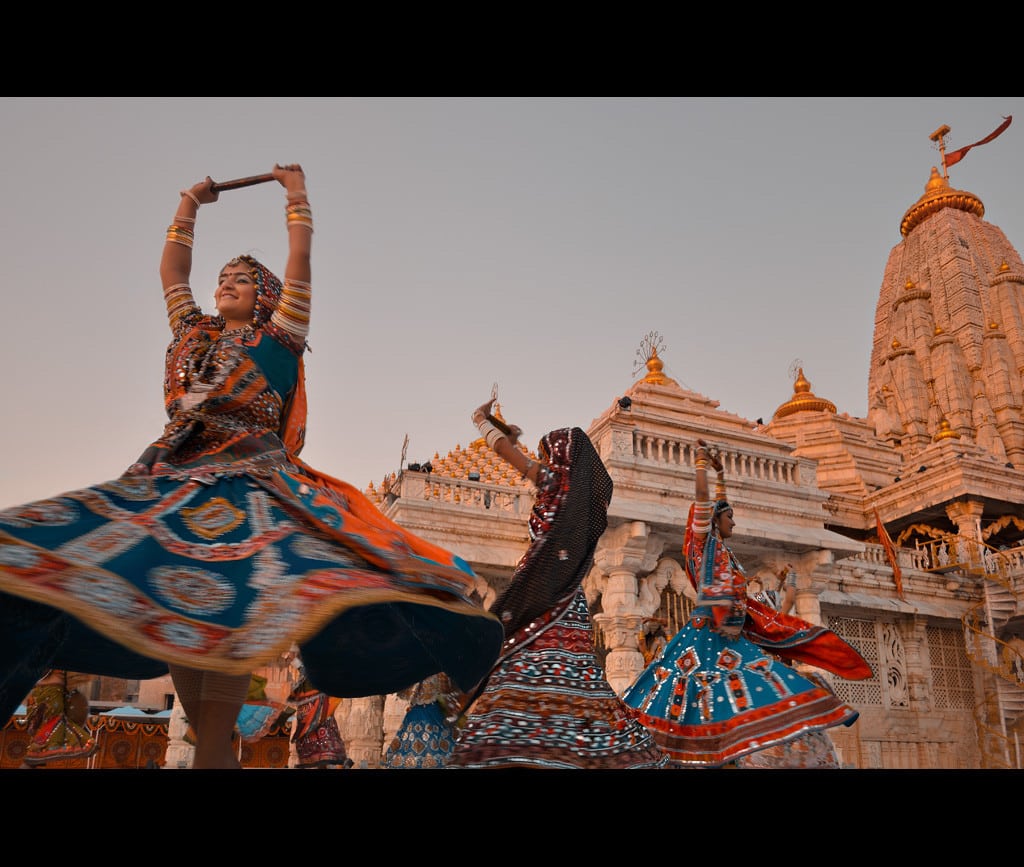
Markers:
461,241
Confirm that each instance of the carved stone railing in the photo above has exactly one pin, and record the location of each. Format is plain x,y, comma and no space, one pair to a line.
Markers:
737,464
461,492
907,558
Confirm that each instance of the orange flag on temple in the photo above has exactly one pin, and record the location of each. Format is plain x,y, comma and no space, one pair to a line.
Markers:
957,155
890,553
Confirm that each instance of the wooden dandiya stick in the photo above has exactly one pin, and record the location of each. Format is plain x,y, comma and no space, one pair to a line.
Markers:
238,183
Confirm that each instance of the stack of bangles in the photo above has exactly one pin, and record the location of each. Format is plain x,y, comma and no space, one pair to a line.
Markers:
180,234
297,212
490,428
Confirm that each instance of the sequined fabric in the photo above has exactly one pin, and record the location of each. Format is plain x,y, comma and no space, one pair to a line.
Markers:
709,700
259,714
426,737
548,705
569,515
317,739
56,715
813,749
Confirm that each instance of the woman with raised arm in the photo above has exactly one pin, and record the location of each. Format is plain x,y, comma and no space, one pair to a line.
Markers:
719,691
547,703
219,547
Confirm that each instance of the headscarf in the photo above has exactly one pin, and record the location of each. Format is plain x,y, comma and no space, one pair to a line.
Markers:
200,337
268,291
568,518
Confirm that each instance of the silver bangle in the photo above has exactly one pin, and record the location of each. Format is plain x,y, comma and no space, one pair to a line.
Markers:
493,435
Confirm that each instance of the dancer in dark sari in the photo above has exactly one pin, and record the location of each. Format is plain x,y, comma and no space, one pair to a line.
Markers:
547,703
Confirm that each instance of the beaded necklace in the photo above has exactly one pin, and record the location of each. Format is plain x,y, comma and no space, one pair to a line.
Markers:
245,332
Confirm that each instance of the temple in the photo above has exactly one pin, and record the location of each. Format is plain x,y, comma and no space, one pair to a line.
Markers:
906,527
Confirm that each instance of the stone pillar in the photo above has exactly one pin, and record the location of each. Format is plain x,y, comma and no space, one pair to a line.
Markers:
621,554
361,721
918,689
967,517
812,573
179,752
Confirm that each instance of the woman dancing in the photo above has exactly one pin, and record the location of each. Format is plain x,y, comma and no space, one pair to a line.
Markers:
219,547
715,694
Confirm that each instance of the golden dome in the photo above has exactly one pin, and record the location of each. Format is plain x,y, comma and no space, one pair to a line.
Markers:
803,400
938,194
945,432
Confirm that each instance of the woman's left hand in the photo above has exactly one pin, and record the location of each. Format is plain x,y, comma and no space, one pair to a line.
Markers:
291,177
482,411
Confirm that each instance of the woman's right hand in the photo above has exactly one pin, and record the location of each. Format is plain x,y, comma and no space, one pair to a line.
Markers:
713,456
292,178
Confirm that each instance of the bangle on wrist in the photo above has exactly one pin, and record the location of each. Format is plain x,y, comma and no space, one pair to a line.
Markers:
298,195
489,432
192,196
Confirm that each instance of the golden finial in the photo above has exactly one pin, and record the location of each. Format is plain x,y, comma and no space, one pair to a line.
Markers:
647,356
648,350
803,399
939,137
945,432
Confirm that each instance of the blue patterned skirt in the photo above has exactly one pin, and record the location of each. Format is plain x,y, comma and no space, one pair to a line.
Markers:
709,700
225,571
